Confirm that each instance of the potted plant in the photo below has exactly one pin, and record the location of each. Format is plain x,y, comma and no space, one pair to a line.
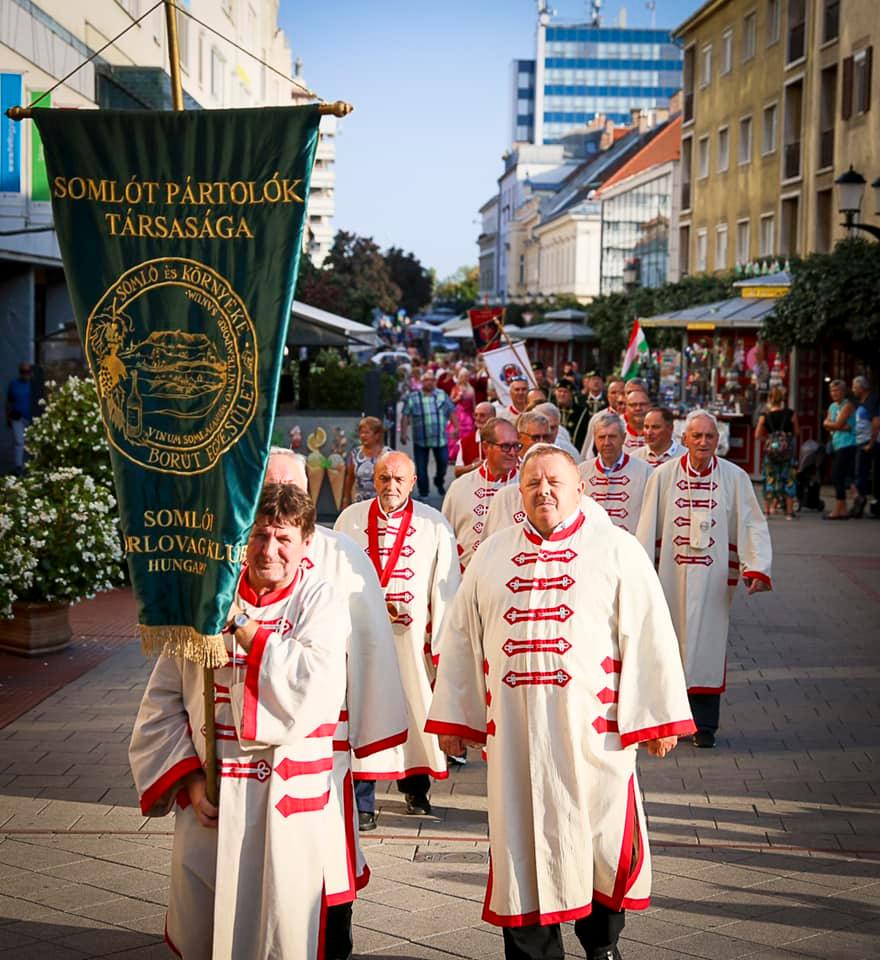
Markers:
59,544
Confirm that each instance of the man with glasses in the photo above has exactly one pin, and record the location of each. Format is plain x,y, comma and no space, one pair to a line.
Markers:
429,410
467,502
638,403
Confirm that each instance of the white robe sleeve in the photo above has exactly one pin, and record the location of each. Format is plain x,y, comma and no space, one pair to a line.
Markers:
161,751
444,585
652,696
295,684
459,704
650,526
752,534
495,519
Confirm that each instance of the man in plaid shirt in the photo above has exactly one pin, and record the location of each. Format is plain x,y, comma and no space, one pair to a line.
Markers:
429,410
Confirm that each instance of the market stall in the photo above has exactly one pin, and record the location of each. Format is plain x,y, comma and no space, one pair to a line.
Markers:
722,364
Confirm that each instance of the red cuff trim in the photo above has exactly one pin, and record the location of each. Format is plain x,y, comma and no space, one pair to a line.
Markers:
252,684
455,730
152,794
679,728
757,575
369,749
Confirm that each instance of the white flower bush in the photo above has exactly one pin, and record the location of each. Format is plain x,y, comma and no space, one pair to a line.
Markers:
59,538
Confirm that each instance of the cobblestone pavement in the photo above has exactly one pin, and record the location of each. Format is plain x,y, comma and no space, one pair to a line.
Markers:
766,848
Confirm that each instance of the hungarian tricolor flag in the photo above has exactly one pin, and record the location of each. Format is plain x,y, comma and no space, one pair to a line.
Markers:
636,353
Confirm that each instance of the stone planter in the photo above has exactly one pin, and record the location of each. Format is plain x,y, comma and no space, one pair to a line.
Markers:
36,629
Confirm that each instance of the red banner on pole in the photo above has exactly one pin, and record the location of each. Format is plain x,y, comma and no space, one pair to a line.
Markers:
486,324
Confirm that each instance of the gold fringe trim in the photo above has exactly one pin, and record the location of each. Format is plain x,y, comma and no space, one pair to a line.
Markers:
207,650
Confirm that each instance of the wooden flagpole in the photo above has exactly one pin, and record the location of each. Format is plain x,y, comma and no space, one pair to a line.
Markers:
211,785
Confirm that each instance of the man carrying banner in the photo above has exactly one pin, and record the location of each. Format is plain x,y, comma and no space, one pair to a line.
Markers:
702,525
659,446
467,502
429,410
235,892
412,548
519,392
470,450
614,479
559,655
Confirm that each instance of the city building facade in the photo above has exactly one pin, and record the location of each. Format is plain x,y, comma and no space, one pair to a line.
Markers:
582,71
777,103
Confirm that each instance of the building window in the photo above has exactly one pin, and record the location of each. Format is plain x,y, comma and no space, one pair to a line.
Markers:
727,51
797,30
743,231
774,18
824,221
862,81
702,244
706,66
688,83
831,21
750,35
744,153
721,246
827,103
794,106
684,250
687,146
765,246
522,269
218,75
788,227
768,132
703,158
183,40
723,149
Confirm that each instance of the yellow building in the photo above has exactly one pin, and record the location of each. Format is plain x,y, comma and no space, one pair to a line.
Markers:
779,99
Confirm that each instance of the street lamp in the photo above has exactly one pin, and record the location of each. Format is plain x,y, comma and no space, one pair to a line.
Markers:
850,190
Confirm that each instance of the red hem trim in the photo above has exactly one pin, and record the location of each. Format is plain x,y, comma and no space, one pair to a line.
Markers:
529,919
167,781
252,684
757,575
169,941
720,689
361,881
623,881
629,903
369,749
456,730
400,774
679,728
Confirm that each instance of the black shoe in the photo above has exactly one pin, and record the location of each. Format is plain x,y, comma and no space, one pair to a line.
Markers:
605,953
366,821
461,760
705,739
418,806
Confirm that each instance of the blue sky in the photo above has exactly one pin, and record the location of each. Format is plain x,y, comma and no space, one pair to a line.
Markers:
430,83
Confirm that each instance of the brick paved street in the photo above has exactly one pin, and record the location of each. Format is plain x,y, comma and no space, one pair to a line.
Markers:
767,848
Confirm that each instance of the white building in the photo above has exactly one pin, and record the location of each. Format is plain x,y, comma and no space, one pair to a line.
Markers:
42,40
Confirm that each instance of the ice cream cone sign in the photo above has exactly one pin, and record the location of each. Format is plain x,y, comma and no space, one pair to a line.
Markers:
316,462
336,465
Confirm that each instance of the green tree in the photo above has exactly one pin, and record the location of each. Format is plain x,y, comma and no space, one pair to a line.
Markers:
321,288
357,262
833,296
415,282
460,290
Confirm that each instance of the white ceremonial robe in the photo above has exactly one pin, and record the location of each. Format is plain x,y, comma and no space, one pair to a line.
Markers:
632,441
373,723
466,506
560,656
618,491
647,454
253,889
507,510
421,584
506,411
699,583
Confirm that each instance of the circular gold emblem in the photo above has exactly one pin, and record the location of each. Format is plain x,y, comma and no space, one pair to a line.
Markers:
174,354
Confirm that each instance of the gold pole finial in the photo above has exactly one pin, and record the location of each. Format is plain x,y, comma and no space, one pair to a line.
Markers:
339,108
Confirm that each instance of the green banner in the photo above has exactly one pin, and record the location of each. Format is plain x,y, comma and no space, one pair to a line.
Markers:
39,176
181,235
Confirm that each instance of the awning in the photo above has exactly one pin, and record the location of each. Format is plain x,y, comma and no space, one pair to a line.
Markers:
312,327
565,314
558,331
737,313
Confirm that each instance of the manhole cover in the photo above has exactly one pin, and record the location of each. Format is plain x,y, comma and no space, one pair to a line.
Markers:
437,856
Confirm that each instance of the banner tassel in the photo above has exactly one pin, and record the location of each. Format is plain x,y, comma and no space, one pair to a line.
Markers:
206,650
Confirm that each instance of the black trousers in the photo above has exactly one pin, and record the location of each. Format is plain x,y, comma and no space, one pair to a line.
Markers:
338,943
843,470
601,928
706,708
418,784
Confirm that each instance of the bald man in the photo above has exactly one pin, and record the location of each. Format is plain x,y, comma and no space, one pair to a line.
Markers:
412,549
560,656
470,450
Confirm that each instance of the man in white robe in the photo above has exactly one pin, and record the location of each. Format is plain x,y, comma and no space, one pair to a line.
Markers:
702,525
467,501
560,656
412,548
559,436
660,445
638,403
248,876
373,723
616,392
614,479
519,392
